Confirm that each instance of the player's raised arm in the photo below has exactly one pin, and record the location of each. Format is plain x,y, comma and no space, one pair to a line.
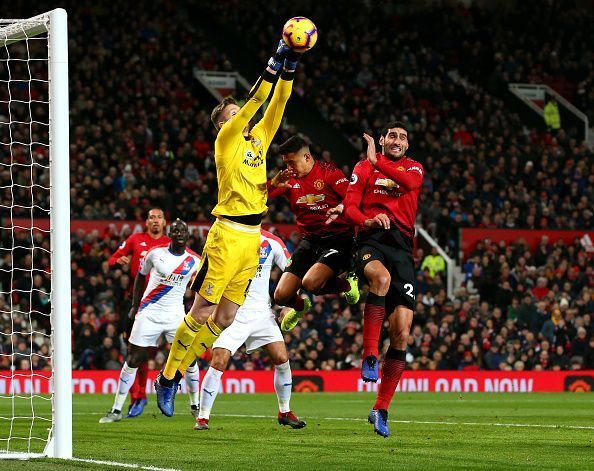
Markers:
282,92
235,125
408,177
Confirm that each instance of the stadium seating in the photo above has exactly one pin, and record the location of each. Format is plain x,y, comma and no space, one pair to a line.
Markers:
141,136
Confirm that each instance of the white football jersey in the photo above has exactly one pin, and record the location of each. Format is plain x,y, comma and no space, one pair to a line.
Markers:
273,251
169,277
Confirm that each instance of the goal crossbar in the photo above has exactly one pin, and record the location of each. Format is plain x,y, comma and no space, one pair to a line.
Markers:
31,27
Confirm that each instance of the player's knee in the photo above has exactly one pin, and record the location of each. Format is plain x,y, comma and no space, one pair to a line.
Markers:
380,282
312,284
219,359
219,364
134,360
280,358
281,296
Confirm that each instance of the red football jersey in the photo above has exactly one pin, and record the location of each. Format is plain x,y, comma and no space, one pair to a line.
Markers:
391,187
311,196
138,244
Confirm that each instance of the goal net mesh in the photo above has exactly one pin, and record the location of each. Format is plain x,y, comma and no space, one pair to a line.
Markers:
25,268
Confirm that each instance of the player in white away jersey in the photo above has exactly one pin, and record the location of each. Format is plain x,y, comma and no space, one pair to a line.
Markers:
159,310
255,325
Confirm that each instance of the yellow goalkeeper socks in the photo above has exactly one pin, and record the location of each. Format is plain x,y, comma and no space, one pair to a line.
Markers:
184,338
200,344
206,337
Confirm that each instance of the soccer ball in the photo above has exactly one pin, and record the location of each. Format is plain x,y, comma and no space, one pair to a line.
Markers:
300,34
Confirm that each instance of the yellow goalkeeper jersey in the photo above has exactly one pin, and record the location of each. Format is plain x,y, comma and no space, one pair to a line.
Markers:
240,160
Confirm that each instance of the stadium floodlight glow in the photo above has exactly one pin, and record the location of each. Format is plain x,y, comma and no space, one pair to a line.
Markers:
34,187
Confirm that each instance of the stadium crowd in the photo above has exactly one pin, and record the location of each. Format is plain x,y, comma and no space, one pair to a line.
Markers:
484,168
515,310
141,137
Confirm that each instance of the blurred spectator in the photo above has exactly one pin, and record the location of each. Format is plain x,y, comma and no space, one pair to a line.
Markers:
434,263
552,116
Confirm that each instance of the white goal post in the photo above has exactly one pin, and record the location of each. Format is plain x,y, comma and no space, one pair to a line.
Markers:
21,104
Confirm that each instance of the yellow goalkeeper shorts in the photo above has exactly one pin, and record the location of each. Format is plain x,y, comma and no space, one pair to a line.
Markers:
229,262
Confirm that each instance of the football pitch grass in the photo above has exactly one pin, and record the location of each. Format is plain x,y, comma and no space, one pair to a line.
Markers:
429,431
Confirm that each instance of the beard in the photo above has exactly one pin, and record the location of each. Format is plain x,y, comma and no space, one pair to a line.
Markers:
394,155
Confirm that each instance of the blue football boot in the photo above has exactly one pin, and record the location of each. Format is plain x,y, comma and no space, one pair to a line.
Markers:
166,397
136,409
370,369
379,419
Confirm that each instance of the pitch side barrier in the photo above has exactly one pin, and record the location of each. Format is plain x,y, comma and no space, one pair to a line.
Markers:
250,382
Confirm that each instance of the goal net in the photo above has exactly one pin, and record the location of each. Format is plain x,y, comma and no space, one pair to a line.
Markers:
35,343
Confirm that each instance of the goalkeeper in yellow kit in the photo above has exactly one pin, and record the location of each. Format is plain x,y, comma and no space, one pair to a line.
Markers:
232,248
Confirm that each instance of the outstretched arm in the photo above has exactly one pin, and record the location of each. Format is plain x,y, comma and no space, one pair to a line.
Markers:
282,92
258,94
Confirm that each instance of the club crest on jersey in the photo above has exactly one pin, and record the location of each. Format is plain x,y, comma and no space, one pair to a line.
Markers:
186,266
209,289
265,249
401,168
319,184
311,199
257,142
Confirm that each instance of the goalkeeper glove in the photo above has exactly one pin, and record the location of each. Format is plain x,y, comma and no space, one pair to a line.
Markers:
276,61
291,60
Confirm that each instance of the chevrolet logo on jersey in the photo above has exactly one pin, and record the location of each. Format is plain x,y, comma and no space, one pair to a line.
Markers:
311,199
386,182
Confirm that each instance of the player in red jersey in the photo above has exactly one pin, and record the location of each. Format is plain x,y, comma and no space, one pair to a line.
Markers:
131,252
382,204
313,187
